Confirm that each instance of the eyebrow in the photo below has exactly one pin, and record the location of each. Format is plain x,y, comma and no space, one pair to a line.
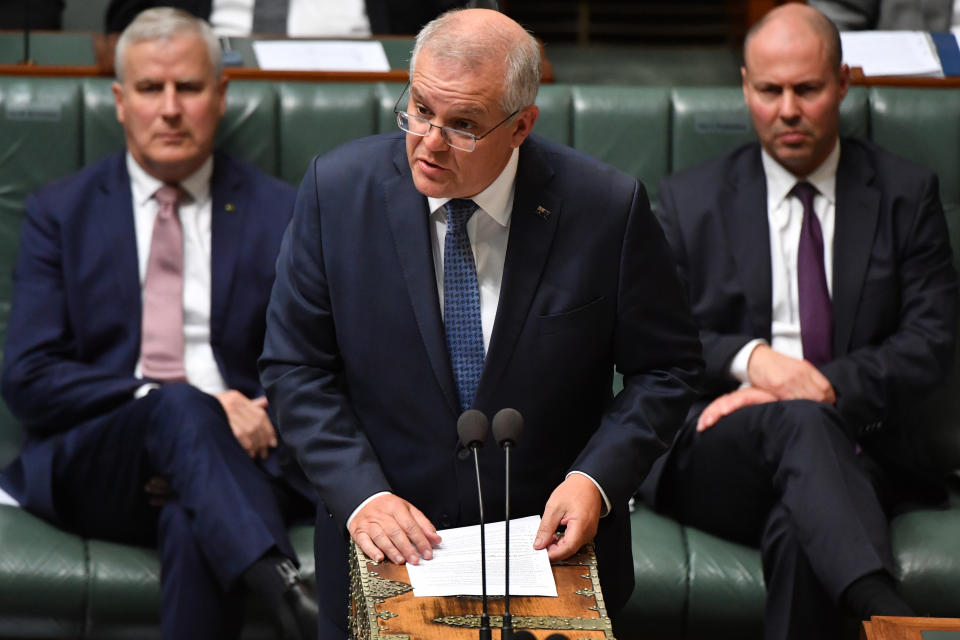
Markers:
465,112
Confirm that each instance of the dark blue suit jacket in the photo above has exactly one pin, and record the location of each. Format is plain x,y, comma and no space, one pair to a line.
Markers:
74,334
894,285
356,365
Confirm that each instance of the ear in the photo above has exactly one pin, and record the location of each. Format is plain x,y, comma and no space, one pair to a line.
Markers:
118,100
523,124
844,80
744,85
222,91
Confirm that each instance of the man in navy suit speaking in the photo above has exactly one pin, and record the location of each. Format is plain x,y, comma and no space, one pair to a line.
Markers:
138,315
464,263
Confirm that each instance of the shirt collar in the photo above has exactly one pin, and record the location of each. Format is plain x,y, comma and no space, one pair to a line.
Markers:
144,185
496,198
780,181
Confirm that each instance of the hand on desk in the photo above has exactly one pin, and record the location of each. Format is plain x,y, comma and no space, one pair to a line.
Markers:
389,526
576,504
249,421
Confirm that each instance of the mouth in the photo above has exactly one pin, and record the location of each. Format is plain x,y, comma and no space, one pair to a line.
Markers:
792,137
430,167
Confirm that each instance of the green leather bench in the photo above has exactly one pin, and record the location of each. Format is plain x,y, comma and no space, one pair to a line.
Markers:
689,584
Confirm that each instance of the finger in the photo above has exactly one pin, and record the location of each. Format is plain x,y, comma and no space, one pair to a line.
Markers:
368,547
385,541
548,526
429,532
410,539
570,542
260,402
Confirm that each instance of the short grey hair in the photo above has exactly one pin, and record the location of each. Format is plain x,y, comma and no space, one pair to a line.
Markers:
522,58
163,23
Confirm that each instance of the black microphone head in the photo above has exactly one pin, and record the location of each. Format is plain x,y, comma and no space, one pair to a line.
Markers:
557,636
507,426
524,635
472,428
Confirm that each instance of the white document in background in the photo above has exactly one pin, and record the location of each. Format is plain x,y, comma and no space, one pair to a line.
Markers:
891,53
321,55
455,567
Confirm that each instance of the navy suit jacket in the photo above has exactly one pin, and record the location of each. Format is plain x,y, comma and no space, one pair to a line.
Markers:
74,335
894,285
356,365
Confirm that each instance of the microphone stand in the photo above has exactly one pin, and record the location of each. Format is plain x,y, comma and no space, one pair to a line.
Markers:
484,616
506,632
507,426
472,430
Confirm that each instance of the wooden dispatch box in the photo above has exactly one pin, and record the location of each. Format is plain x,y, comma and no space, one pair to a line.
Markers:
894,628
382,606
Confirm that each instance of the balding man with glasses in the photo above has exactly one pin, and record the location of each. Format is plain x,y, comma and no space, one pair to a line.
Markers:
467,264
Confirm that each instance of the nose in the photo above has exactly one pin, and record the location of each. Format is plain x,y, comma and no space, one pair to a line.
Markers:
434,139
789,106
171,101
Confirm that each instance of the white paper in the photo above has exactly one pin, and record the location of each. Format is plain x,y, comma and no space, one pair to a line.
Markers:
321,55
455,567
891,53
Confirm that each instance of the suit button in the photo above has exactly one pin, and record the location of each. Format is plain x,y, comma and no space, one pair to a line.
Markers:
463,454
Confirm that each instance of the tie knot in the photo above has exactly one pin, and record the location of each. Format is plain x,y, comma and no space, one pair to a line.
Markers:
459,211
804,191
170,195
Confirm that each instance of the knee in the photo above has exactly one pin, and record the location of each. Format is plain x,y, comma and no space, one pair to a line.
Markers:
183,411
809,421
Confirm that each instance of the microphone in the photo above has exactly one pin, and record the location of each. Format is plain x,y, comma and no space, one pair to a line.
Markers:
472,430
557,636
507,427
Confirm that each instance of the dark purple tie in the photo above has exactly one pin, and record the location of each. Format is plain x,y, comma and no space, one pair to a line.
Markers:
816,312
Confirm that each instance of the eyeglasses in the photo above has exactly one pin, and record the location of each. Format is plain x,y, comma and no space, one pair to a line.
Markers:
455,138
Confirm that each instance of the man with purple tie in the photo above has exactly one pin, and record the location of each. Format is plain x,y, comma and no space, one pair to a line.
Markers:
821,276
138,315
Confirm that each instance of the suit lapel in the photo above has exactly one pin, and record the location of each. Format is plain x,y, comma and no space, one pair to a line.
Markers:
857,213
115,213
744,207
533,223
408,218
229,213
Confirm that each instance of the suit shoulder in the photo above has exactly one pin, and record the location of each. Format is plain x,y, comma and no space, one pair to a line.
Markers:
711,173
256,178
363,155
89,177
890,167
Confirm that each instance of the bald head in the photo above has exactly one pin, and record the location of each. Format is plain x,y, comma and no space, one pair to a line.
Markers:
486,41
795,20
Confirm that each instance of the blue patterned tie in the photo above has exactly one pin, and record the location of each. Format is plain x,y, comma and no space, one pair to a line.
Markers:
461,302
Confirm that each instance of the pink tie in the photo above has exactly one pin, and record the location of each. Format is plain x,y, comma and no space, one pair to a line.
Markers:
161,346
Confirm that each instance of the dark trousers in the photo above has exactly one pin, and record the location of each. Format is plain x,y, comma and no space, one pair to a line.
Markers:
223,512
784,476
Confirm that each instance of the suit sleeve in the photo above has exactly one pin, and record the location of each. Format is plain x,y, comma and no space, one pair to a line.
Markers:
718,348
302,370
869,380
46,382
658,353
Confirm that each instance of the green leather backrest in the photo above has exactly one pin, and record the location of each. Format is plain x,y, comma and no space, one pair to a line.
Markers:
51,127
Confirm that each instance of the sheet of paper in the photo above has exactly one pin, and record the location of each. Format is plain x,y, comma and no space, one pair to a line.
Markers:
891,53
321,55
455,567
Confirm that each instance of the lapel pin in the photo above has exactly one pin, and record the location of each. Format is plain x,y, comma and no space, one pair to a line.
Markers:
230,206
543,213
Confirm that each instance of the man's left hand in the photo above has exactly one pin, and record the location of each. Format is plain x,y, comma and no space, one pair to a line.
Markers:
730,402
577,505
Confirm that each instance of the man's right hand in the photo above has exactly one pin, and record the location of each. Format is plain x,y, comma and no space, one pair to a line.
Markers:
788,378
249,422
389,526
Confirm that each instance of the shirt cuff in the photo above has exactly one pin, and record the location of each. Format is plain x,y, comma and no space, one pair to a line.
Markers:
144,389
603,494
363,504
739,362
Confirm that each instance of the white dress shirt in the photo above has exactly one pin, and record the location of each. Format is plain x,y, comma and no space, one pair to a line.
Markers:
785,218
196,221
488,229
305,18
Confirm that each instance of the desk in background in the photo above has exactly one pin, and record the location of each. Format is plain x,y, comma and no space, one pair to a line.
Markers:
91,54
